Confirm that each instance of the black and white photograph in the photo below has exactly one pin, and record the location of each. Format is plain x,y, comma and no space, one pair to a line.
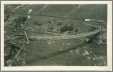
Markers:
56,34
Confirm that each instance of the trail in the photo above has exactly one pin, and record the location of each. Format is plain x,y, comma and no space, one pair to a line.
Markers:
62,36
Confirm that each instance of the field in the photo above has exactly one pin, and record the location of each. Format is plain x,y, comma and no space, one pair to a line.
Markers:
55,35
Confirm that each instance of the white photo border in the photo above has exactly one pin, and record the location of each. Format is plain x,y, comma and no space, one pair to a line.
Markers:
61,68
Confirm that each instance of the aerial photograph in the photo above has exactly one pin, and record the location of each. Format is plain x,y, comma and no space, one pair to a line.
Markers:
55,34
